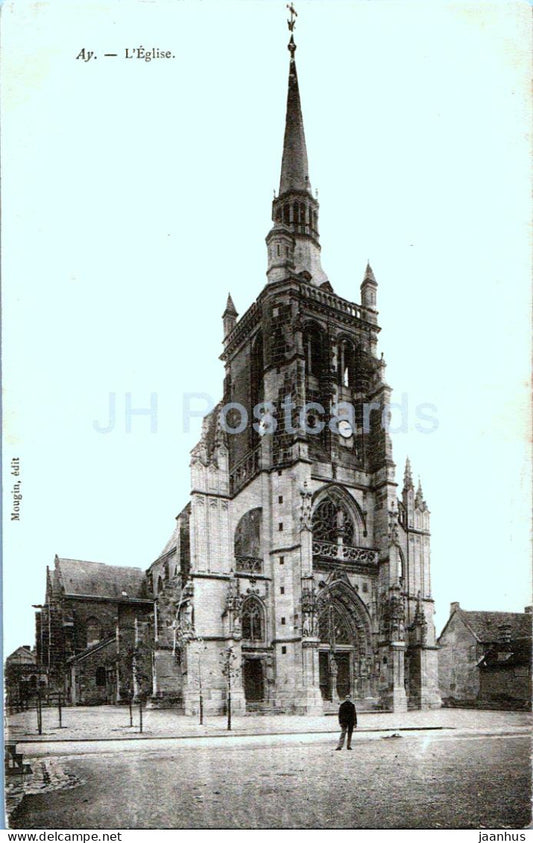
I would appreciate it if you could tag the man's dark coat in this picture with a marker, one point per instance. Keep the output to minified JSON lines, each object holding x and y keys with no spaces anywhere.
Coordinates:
{"x":347,"y":714}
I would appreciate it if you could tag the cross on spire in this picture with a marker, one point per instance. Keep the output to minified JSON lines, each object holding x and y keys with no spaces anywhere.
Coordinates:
{"x":294,"y":14}
{"x":291,"y":24}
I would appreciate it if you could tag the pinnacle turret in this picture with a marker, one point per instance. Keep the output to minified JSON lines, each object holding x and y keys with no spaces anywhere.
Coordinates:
{"x":230,"y":307}
{"x":369,"y":288}
{"x":419,"y":497}
{"x":369,"y":274}
{"x":229,"y":317}
{"x":408,"y":477}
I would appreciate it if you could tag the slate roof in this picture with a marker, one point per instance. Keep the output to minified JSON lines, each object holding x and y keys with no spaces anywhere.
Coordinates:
{"x":79,"y":578}
{"x":170,"y":545}
{"x":485,"y":625}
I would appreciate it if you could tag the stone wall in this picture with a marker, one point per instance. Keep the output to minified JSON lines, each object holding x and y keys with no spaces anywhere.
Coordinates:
{"x":458,"y":656}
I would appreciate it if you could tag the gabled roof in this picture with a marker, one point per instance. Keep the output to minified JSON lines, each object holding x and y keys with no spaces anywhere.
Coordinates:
{"x":79,"y":578}
{"x":485,"y":626}
{"x":22,"y":656}
{"x":171,"y":544}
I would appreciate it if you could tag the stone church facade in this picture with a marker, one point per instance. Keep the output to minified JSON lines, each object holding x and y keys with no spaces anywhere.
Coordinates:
{"x":295,"y":566}
{"x":295,"y":573}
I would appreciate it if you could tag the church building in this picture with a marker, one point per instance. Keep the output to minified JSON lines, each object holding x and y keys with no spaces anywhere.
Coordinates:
{"x":297,"y":572}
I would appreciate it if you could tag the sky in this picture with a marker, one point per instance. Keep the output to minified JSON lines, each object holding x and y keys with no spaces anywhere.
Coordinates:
{"x":137,"y":194}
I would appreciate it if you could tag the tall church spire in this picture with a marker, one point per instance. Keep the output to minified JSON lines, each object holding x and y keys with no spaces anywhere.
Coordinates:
{"x":293,"y":243}
{"x":294,"y":165}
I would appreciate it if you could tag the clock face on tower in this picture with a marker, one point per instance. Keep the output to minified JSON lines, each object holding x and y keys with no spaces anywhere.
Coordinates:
{"x":345,"y":429}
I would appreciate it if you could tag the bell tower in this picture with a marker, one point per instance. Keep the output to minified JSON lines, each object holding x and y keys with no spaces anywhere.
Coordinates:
{"x":302,"y":559}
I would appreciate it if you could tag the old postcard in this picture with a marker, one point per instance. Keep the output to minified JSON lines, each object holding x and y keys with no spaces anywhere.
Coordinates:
{"x":266,"y":483}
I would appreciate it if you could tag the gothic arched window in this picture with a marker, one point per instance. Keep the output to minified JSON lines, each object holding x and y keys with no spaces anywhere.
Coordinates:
{"x":331,"y":521}
{"x":312,"y":350}
{"x":252,"y":620}
{"x":94,"y":631}
{"x":333,"y":628}
{"x":247,"y":542}
{"x":346,"y":364}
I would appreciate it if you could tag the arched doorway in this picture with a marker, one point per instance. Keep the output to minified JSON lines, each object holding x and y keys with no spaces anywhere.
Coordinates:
{"x":338,"y":646}
{"x":253,"y":637}
{"x":345,"y":649}
{"x":253,"y":681}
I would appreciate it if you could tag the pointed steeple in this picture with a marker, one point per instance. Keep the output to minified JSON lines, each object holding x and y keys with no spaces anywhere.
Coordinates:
{"x":293,"y":242}
{"x":294,"y":164}
{"x":408,"y":477}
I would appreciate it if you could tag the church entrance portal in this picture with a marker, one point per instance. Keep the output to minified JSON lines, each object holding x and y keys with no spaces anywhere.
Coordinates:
{"x":343,"y":674}
{"x":335,"y":674}
{"x":337,"y":653}
{"x":253,"y":680}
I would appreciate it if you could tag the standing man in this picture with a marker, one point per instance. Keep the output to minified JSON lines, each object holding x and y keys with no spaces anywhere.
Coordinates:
{"x":347,"y":720}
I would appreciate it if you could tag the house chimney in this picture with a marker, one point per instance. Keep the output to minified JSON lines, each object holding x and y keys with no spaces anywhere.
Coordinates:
{"x":454,"y":607}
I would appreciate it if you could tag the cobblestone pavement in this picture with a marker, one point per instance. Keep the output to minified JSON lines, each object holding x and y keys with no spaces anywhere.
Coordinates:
{"x":112,"y":722}
{"x":431,"y":780}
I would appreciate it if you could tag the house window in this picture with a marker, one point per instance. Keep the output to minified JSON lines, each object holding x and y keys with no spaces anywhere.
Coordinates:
{"x":281,"y":560}
{"x":283,"y":649}
{"x":283,"y":621}
{"x":280,"y":499}
{"x":100,"y":677}
{"x":280,"y":526}
{"x":282,"y":589}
